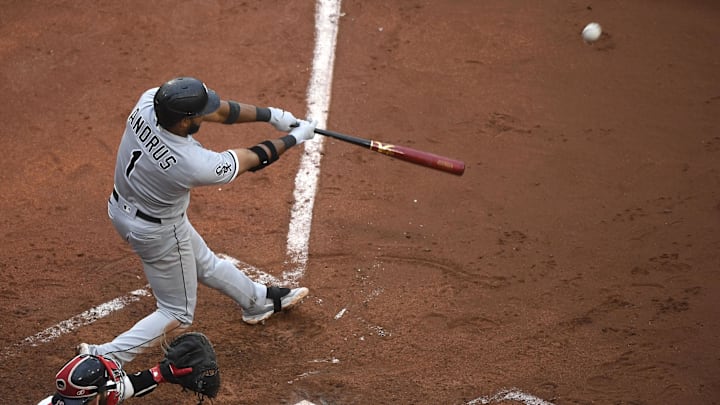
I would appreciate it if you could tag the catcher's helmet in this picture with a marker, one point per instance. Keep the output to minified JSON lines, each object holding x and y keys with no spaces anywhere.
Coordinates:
{"x":86,"y":376}
{"x":183,"y":97}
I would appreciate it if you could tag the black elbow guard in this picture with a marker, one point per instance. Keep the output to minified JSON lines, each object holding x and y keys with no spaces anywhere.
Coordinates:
{"x":265,"y":160}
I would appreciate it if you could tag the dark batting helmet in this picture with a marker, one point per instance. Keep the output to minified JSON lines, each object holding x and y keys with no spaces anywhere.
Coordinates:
{"x":183,"y":97}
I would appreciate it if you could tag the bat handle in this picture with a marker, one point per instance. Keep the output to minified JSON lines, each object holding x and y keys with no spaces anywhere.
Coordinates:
{"x":343,"y":137}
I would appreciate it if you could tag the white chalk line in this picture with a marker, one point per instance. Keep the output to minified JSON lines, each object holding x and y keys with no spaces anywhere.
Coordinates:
{"x":101,"y":311}
{"x":251,"y":271}
{"x":505,"y":395}
{"x":69,"y":325}
{"x":327,"y":16}
{"x":512,"y":394}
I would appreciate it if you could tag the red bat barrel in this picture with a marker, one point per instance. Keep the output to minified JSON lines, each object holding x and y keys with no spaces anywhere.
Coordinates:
{"x":405,"y":153}
{"x":419,"y":157}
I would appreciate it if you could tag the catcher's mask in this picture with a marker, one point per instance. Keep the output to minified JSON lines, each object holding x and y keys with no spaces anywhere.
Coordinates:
{"x":183,"y":97}
{"x":86,"y":377}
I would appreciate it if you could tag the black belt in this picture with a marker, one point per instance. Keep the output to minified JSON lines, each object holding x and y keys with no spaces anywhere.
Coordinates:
{"x":139,"y":213}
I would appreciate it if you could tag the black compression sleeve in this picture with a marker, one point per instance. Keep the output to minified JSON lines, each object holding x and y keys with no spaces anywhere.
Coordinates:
{"x":262,"y":114}
{"x":233,"y":114}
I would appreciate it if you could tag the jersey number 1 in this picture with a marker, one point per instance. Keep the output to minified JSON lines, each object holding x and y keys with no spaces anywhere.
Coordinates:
{"x":136,"y":154}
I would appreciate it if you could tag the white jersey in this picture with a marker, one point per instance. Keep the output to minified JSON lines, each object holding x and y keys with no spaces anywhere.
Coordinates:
{"x":156,"y":169}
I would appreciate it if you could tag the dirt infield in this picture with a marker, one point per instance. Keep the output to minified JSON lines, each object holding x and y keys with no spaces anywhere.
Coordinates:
{"x":574,"y":261}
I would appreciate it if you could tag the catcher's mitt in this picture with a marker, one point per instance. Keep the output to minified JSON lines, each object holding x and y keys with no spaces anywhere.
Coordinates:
{"x":190,"y":362}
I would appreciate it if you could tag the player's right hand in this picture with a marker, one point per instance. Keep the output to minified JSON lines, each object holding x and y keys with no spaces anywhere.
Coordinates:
{"x":305,"y":131}
{"x":282,"y":120}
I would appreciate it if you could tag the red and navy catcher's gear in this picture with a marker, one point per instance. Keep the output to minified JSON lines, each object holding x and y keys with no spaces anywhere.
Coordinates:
{"x":85,"y":377}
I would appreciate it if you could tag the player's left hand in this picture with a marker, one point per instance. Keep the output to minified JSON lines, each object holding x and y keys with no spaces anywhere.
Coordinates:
{"x":304,"y":131}
{"x":282,"y":120}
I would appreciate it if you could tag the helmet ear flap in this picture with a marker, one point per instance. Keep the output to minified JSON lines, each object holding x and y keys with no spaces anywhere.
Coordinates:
{"x":165,"y":117}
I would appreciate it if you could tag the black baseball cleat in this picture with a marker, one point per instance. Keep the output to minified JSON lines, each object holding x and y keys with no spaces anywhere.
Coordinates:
{"x":280,"y":299}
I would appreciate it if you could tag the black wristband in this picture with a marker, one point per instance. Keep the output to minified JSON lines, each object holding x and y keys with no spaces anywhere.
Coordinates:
{"x":262,"y":114}
{"x":142,"y":382}
{"x":289,"y":141}
{"x":233,"y":114}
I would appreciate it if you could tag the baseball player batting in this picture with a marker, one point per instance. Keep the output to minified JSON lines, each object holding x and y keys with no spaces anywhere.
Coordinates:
{"x":158,"y":162}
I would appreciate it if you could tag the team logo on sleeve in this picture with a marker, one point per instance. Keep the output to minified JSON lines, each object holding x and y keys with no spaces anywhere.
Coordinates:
{"x":223,"y":168}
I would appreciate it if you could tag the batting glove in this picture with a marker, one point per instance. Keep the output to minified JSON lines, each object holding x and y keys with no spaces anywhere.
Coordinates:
{"x":282,"y":120}
{"x":305,"y":131}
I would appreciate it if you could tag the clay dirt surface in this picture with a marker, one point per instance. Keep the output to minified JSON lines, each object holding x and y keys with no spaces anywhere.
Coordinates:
{"x":575,"y":261}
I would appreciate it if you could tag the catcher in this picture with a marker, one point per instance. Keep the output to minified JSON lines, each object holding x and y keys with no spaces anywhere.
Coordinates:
{"x":87,"y":379}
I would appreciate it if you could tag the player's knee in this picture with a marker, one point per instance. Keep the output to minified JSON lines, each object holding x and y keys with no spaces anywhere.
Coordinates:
{"x":178,"y":318}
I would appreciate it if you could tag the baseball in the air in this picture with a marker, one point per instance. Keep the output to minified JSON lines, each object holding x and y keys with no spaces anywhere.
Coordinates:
{"x":592,"y":32}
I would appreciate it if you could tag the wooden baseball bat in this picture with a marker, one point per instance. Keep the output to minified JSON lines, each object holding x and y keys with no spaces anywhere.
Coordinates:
{"x":405,"y":153}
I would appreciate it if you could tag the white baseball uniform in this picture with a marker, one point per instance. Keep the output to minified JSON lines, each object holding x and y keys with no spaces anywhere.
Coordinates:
{"x":154,"y":174}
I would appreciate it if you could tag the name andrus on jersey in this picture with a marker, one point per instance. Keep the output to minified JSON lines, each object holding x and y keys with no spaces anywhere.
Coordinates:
{"x":152,"y":144}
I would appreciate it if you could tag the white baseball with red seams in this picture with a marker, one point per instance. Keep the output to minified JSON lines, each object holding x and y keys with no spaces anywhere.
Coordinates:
{"x":592,"y":32}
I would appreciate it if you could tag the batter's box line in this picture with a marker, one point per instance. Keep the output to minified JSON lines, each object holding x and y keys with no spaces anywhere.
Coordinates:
{"x":251,"y":271}
{"x":77,"y":321}
{"x":512,"y":394}
{"x":101,"y":311}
